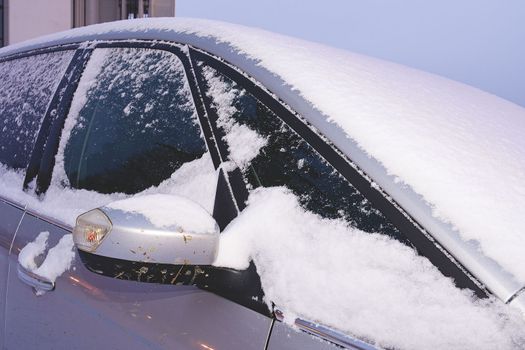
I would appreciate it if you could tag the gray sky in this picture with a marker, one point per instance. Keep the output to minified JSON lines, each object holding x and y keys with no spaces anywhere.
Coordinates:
{"x":478,"y":42}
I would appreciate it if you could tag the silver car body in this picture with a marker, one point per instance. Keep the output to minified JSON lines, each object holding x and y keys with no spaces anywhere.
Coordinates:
{"x":123,"y":314}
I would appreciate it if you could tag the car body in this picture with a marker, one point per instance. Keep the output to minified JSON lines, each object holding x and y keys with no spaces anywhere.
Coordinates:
{"x":111,"y":89}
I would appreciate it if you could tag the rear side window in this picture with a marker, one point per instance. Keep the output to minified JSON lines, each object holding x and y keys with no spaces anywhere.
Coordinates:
{"x":26,"y":88}
{"x":281,"y":157}
{"x":132,"y":122}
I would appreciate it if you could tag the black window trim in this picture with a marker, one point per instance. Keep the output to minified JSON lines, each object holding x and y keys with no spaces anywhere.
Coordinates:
{"x":41,"y":51}
{"x":422,"y":241}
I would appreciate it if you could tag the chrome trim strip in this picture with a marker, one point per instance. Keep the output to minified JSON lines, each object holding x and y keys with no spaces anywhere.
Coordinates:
{"x":518,"y":301}
{"x":16,"y":231}
{"x":49,"y":220}
{"x":34,"y":213}
{"x":10,"y":202}
{"x":330,"y":335}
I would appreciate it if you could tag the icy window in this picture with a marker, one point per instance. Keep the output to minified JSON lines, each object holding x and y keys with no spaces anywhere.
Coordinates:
{"x":132,"y":122}
{"x":27,"y":86}
{"x":285,"y":159}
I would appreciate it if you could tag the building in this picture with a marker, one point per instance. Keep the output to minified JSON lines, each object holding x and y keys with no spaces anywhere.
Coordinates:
{"x":25,"y":19}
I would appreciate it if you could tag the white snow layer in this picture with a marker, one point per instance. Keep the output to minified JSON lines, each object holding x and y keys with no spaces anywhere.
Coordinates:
{"x":243,"y":143}
{"x":195,"y":180}
{"x":31,"y":250}
{"x":364,"y":284}
{"x":57,"y":261}
{"x":462,"y":149}
{"x":170,"y":211}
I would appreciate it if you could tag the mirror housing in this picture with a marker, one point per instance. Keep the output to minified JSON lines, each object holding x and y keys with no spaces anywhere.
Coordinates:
{"x":161,"y":229}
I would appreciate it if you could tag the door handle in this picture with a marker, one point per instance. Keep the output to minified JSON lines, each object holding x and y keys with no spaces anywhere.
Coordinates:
{"x":40,"y":284}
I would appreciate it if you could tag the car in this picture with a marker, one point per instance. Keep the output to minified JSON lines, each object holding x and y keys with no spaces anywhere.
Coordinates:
{"x":191,"y":184}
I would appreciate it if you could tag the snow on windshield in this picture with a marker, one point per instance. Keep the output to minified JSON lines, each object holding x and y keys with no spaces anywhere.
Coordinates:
{"x":364,"y":284}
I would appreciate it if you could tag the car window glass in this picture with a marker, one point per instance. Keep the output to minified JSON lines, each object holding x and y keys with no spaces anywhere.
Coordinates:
{"x":132,"y":122}
{"x":27,"y":86}
{"x":285,"y":159}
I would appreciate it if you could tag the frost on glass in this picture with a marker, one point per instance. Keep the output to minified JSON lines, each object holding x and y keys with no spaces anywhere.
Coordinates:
{"x":27,"y":85}
{"x":243,"y":142}
{"x":132,"y":122}
{"x":285,"y":159}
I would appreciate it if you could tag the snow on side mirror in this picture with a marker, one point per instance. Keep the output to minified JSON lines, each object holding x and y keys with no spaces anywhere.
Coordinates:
{"x":163,"y":229}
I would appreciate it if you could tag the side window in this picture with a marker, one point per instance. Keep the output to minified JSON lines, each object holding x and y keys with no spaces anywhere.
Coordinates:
{"x":132,"y":122}
{"x":275,"y":155}
{"x":27,"y":86}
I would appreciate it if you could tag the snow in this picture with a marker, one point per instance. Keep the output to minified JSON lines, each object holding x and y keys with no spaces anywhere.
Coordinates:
{"x":196,"y":180}
{"x":57,"y":261}
{"x":169,"y":211}
{"x":364,"y":284}
{"x":244,"y":144}
{"x":31,"y":250}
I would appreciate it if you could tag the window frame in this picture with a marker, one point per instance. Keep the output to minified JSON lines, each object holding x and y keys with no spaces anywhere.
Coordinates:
{"x":420,"y":239}
{"x":174,"y":50}
{"x":237,"y":286}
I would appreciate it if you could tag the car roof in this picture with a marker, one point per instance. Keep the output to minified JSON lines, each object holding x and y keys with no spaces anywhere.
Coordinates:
{"x":452,"y":156}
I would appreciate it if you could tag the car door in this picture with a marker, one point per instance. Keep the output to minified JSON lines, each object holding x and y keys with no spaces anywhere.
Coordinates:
{"x":132,"y":127}
{"x":27,"y":88}
{"x":10,"y":216}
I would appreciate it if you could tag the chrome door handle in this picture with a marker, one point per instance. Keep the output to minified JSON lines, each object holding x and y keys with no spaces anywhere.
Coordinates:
{"x":40,"y":284}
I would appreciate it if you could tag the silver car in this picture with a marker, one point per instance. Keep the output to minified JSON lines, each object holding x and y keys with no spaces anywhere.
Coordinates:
{"x":107,"y":126}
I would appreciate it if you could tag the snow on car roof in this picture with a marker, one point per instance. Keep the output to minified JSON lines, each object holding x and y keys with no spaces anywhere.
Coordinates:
{"x":456,"y":149}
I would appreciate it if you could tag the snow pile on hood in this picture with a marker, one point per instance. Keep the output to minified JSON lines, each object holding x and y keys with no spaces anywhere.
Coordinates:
{"x":169,"y":211}
{"x":364,"y":284}
{"x":460,"y":148}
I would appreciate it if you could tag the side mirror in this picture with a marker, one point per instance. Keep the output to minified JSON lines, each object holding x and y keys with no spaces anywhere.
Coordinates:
{"x":162,"y":229}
